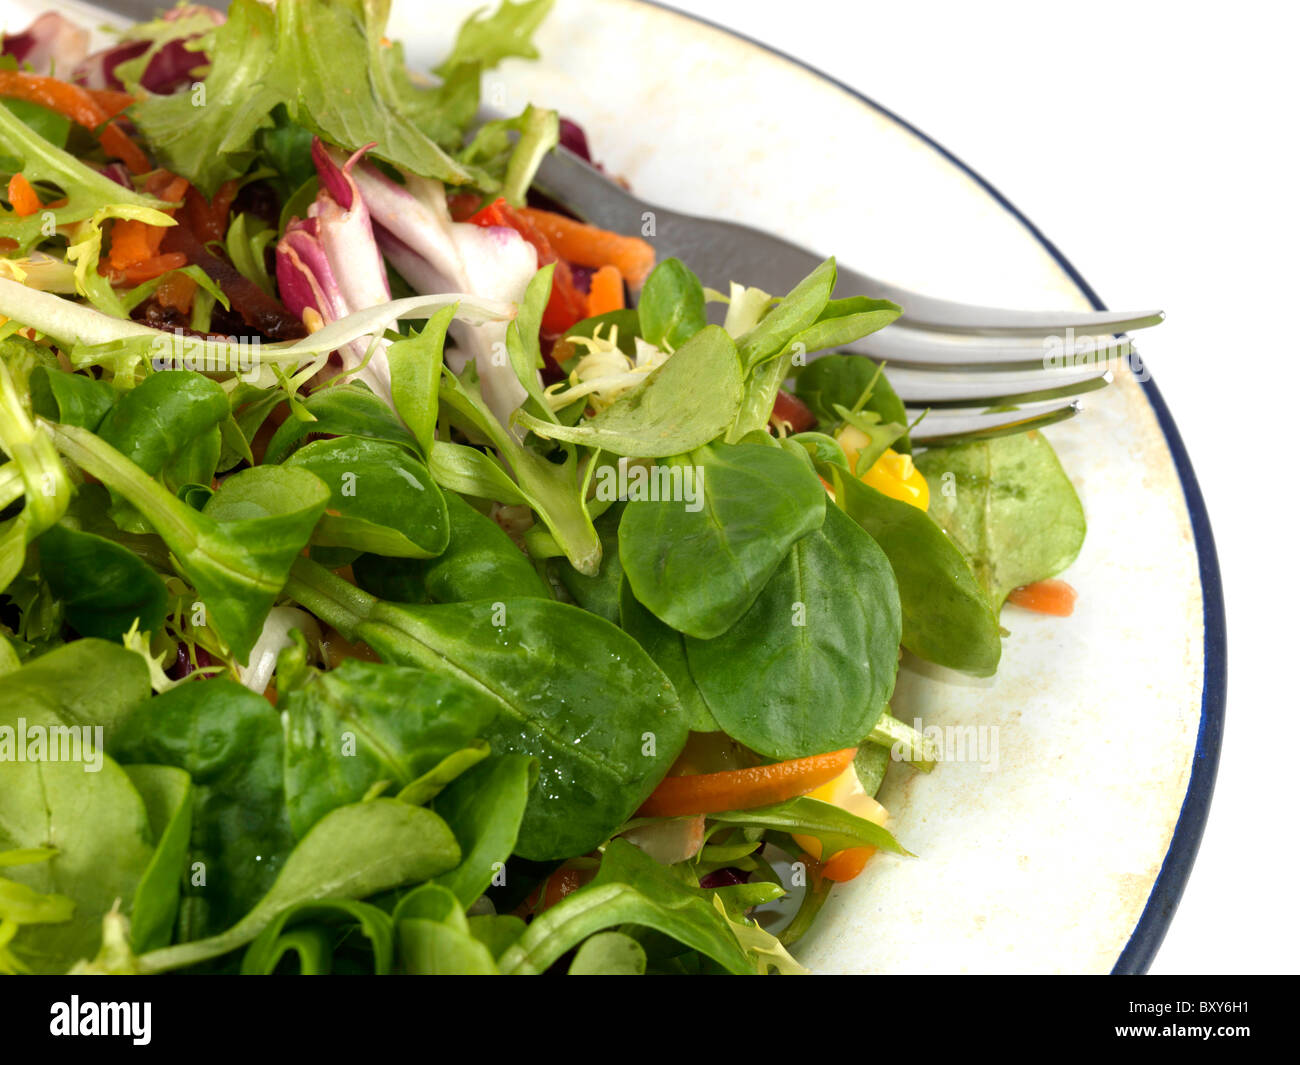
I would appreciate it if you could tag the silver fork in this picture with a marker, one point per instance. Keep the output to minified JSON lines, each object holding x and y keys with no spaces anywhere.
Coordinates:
{"x":978,"y":371}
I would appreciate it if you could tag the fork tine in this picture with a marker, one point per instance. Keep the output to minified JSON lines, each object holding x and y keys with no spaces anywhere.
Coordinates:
{"x":900,"y":345}
{"x":923,"y":388}
{"x":944,"y":428}
{"x":948,"y":316}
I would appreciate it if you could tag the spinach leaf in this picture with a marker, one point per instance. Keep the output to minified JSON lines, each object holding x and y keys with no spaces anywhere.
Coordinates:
{"x":669,"y":412}
{"x":104,"y":587}
{"x":630,"y":888}
{"x":415,"y":366}
{"x":946,"y":614}
{"x":572,"y":691}
{"x":169,"y":803}
{"x":597,"y":593}
{"x":793,"y":314}
{"x":353,"y":852}
{"x":811,"y":665}
{"x":235,"y":553}
{"x":837,"y":829}
{"x":229,"y":740}
{"x":434,"y":936}
{"x":313,"y":931}
{"x":381,"y":498}
{"x":159,"y":424}
{"x":841,"y":381}
{"x":667,"y":649}
{"x":670,"y":308}
{"x":609,"y":954}
{"x":341,"y":410}
{"x":484,"y":808}
{"x":71,"y":398}
{"x":1009,"y":505}
{"x":44,"y":803}
{"x":363,"y":723}
{"x":871,"y":763}
{"x":100,"y":858}
{"x":699,"y":566}
{"x":480,"y":562}
{"x":844,"y":321}
{"x":472,"y":472}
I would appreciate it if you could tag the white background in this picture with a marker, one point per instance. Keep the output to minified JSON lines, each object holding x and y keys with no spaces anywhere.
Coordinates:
{"x":1156,"y":145}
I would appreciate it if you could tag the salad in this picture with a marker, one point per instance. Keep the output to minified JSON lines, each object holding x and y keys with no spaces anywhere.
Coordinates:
{"x":398,"y":575}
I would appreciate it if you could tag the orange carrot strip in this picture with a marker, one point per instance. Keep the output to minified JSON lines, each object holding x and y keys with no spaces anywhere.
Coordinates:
{"x":177,"y":292}
{"x":112,"y":101}
{"x":606,"y":291}
{"x":22,"y":197}
{"x":845,"y":865}
{"x":133,"y":242}
{"x":77,"y":104}
{"x":148,"y":269}
{"x":743,"y":789}
{"x":1046,"y":597}
{"x":593,"y":247}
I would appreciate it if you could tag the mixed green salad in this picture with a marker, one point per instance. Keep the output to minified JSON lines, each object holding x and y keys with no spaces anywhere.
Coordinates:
{"x":398,"y":575}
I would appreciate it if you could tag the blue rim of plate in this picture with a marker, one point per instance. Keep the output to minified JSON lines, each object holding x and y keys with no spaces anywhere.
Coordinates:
{"x":1158,"y":913}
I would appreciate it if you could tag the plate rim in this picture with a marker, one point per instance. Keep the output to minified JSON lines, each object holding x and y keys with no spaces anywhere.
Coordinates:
{"x":1176,"y":867}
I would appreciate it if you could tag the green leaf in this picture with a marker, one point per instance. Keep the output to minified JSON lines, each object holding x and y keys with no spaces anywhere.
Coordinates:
{"x":1009,"y":506}
{"x":842,"y":381}
{"x":506,"y":33}
{"x":479,"y":562}
{"x":793,"y":314}
{"x":598,"y":593}
{"x":342,"y":410}
{"x":630,"y":888}
{"x":666,"y":647}
{"x":43,"y":803}
{"x":670,"y":308}
{"x":472,"y":472}
{"x":237,"y":552}
{"x":169,"y":802}
{"x":313,"y":931}
{"x":572,"y":691}
{"x":837,"y":829}
{"x":71,"y":398}
{"x":86,"y":190}
{"x":946,"y":614}
{"x":484,"y":809}
{"x":669,"y":413}
{"x":365,"y":722}
{"x":45,"y":123}
{"x":699,"y":564}
{"x":609,"y":954}
{"x":416,"y":367}
{"x":353,"y":852}
{"x":104,"y":587}
{"x":823,"y":633}
{"x":381,"y":498}
{"x":229,"y":740}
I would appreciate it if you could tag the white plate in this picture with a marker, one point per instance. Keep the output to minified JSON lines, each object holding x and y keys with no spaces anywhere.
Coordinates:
{"x":1051,"y":860}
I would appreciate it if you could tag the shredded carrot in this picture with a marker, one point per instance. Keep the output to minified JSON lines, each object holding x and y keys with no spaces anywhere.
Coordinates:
{"x":606,"y":291}
{"x":743,"y":789}
{"x":207,"y":220}
{"x":177,"y":292}
{"x":112,"y":101}
{"x":148,"y":269}
{"x":1046,"y":597}
{"x":133,"y":242}
{"x":79,"y":105}
{"x":22,"y":197}
{"x":593,"y":247}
